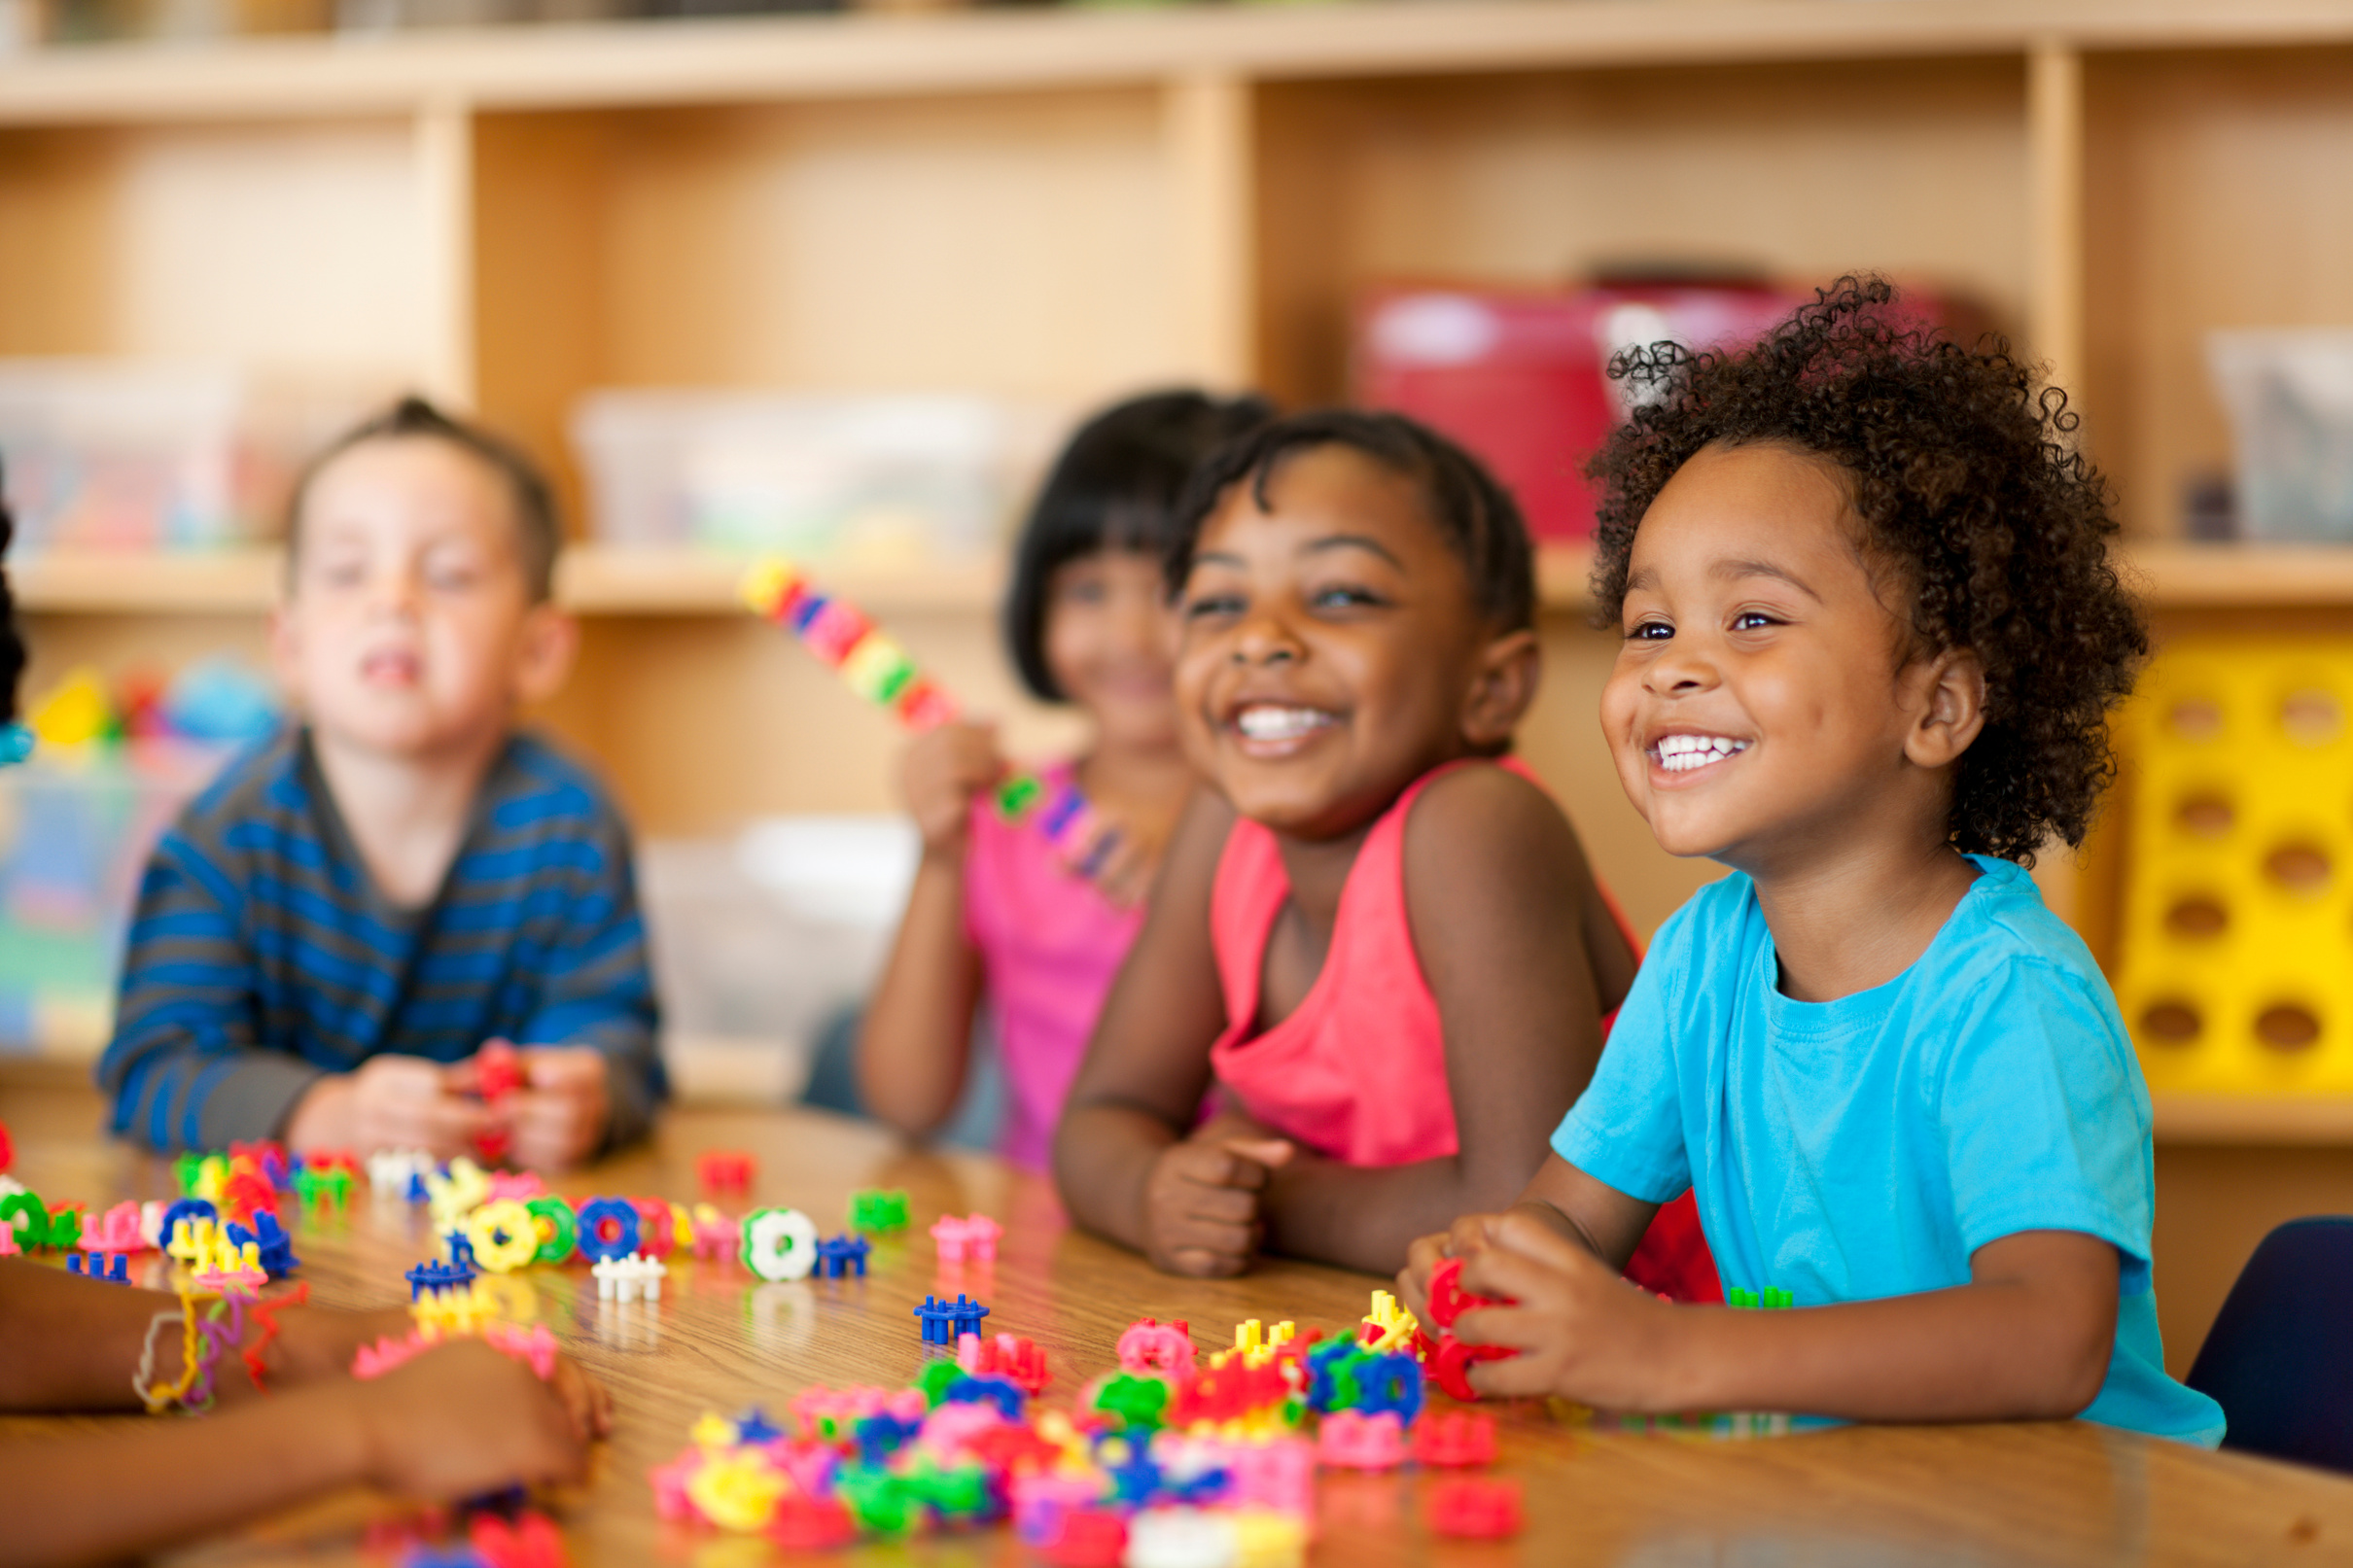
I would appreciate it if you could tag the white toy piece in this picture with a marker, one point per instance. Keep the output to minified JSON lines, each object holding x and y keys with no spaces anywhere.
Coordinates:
{"x":779,"y":1243}
{"x":9,"y":1185}
{"x":391,"y":1170}
{"x":151,"y":1221}
{"x":1178,"y":1538}
{"x":624,"y":1279}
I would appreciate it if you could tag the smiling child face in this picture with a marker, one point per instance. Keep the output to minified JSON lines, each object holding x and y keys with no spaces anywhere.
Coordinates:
{"x":1759,"y":710}
{"x":409,"y":628}
{"x":1329,"y":641}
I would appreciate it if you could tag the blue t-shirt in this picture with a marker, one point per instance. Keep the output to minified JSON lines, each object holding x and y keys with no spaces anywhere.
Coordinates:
{"x":1862,"y":1148}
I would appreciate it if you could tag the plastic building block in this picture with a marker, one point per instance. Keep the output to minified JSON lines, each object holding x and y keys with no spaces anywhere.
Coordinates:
{"x":1255,"y":1342}
{"x":725,"y":1171}
{"x":878,"y":1212}
{"x":246,"y":1190}
{"x":7,"y":1149}
{"x":804,"y":1523}
{"x":1009,"y":1356}
{"x":844,"y":1254}
{"x":625,"y":1279}
{"x":118,"y":1230}
{"x":1389,"y":1326}
{"x":557,"y":1231}
{"x":715,"y":1236}
{"x":391,"y":1170}
{"x":504,"y":1234}
{"x":437,"y":1277}
{"x":324,"y":1188}
{"x":271,"y":1245}
{"x":1476,"y":1509}
{"x":1139,"y":1402}
{"x":1357,"y":1440}
{"x":1454,"y":1438}
{"x":1451,"y":1364}
{"x":971,"y":1239}
{"x":944,"y":1323}
{"x":179,"y":1215}
{"x":1772,"y":1300}
{"x":1087,"y":1538}
{"x":28,"y":1217}
{"x":608,"y":1228}
{"x":657,"y":1232}
{"x":1392,"y":1381}
{"x":232,"y":1267}
{"x":1178,"y":1538}
{"x":498,"y":1071}
{"x":1150,"y":1346}
{"x":530,"y":1540}
{"x":455,"y":1192}
{"x":64,"y":1225}
{"x":460,"y":1247}
{"x":114,"y":1267}
{"x":1448,"y":1299}
{"x":779,"y":1243}
{"x":191,"y":1239}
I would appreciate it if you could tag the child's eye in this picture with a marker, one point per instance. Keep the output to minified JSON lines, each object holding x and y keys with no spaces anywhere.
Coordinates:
{"x":1753,"y":620}
{"x":1649,"y":631}
{"x":1203,"y":606}
{"x":451,"y":575}
{"x":1344,"y":595}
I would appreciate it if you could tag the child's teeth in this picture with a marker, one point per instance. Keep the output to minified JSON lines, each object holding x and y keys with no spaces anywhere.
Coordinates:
{"x":1680,"y":753}
{"x":1279,"y":723}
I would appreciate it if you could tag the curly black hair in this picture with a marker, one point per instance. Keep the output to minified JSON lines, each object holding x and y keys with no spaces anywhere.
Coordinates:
{"x":1967,"y":479}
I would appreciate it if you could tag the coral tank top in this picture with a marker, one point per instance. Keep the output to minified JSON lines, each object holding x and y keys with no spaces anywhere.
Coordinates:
{"x":1358,"y":1071}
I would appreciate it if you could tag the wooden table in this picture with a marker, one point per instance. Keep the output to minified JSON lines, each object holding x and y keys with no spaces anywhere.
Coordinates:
{"x":719,"y":1340}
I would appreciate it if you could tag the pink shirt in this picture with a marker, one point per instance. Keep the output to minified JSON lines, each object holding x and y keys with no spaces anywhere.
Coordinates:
{"x":1050,"y":946}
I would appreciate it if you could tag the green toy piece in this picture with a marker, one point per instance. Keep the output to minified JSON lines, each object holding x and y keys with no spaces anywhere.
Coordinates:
{"x":563,"y":1228}
{"x":878,"y":1500}
{"x":1774,"y":1298}
{"x":24,"y":1213}
{"x":958,"y":1493}
{"x":64,"y":1229}
{"x":329,"y":1188}
{"x":184,"y":1170}
{"x":936,"y":1380}
{"x":1138,"y":1402}
{"x":879,"y":1212}
{"x":1018,"y":794}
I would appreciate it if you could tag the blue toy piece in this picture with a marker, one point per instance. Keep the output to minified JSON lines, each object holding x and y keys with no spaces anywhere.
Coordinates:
{"x":417,"y":1192}
{"x":271,"y":1245}
{"x":437,"y":1276}
{"x":1390,"y":1381}
{"x":2277,"y":1359}
{"x":753,"y":1426}
{"x":943,"y":1321}
{"x":843,"y":1255}
{"x":994,"y":1391}
{"x":460,"y":1247}
{"x":187,"y":1209}
{"x":118,"y":1271}
{"x":881,"y":1435}
{"x":608,"y":1229}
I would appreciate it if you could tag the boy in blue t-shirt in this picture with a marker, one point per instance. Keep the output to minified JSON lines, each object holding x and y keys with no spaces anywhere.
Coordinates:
{"x":1871,"y":639}
{"x":333,"y":930}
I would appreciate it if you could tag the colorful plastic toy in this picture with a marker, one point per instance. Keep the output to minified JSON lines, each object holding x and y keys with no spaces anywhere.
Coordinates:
{"x":841,"y":1255}
{"x":1448,"y":1299}
{"x":118,"y":1230}
{"x":1772,"y":1300}
{"x":7,"y":1149}
{"x":1150,"y":1346}
{"x":725,"y":1171}
{"x":113,"y":1267}
{"x":779,"y":1243}
{"x":437,"y":1277}
{"x":944,"y":1323}
{"x":272,"y":1246}
{"x":504,"y":1234}
{"x":27,"y":1217}
{"x":557,"y":1229}
{"x":607,"y":1227}
{"x":657,"y":1229}
{"x":1475,"y":1508}
{"x":455,"y":1192}
{"x":180,"y":1213}
{"x":1450,"y":1362}
{"x":1455,"y":1439}
{"x":878,"y":1213}
{"x":1355,"y":1439}
{"x":624,"y":1279}
{"x":971,"y":1239}
{"x":1009,"y":1356}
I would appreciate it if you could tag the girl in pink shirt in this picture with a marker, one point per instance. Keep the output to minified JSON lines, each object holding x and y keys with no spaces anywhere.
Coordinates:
{"x":1377,"y":936}
{"x":996,"y":913}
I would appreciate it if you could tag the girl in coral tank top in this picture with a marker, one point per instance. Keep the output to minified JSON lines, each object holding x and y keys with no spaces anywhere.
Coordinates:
{"x":1376,"y":937}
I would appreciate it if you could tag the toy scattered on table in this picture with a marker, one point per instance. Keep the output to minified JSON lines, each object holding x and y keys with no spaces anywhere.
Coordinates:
{"x":455,"y":1192}
{"x":1450,"y":1359}
{"x":625,"y":1279}
{"x":841,"y":1255}
{"x":657,"y":1228}
{"x":606,"y":1228}
{"x":878,"y":1213}
{"x":1009,"y":1356}
{"x":557,"y":1228}
{"x":1455,"y":1439}
{"x":1476,"y":1509}
{"x":113,"y":1267}
{"x":1148,"y":1346}
{"x":879,"y":669}
{"x":725,"y":1171}
{"x":504,"y":1234}
{"x":28,"y":1225}
{"x":779,"y":1243}
{"x":7,"y":1150}
{"x":121,"y":1229}
{"x":945,"y":1322}
{"x":437,"y":1277}
{"x":272,"y":1246}
{"x":971,"y":1238}
{"x":392,"y":1173}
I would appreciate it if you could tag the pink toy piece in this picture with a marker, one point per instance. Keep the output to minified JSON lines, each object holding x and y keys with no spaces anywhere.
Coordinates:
{"x":521,"y":1185}
{"x":534,"y":1345}
{"x":670,"y":1503}
{"x":7,"y":1242}
{"x":1355,"y":1441}
{"x":1476,"y":1509}
{"x":1150,"y":1346}
{"x":1280,"y":1475}
{"x":530,"y":1541}
{"x":118,"y":1230}
{"x":1456,"y":1438}
{"x":377,"y":1359}
{"x":953,"y":1428}
{"x":715,"y":1236}
{"x":810,"y":1464}
{"x":972,"y":1238}
{"x":657,"y":1230}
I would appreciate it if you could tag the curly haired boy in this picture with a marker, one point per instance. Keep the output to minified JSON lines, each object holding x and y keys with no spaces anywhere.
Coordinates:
{"x":1872,"y":635}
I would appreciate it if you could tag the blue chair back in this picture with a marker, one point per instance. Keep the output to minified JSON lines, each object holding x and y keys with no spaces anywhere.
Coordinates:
{"x":2279,"y":1358}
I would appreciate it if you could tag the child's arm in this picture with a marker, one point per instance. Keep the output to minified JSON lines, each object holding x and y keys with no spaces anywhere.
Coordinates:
{"x":458,"y":1421}
{"x":918,"y":1030}
{"x":1502,"y":908}
{"x":2029,"y":1335}
{"x":1123,"y":1159}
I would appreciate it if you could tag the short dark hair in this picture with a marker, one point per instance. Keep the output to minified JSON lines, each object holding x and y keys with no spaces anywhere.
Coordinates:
{"x":538,"y":530}
{"x":1476,"y":516}
{"x":1114,"y":487}
{"x":1965,"y":474}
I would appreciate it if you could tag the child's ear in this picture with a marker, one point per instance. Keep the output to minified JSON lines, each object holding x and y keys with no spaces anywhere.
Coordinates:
{"x":1502,"y":685}
{"x":1954,"y":712}
{"x":550,"y":642}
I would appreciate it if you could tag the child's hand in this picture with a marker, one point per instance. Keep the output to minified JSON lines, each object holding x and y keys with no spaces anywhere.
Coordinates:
{"x":1119,"y":858}
{"x":559,"y":1116}
{"x":388,"y":1103}
{"x":1581,"y":1331}
{"x":316,"y":1344}
{"x":463,"y":1419}
{"x":948,"y":768}
{"x":1200,"y":1202}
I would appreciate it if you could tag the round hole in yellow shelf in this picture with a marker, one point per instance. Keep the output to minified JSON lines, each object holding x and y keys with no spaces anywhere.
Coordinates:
{"x":2207,"y":815}
{"x":2197,"y":918}
{"x":2288,"y":1026}
{"x":2171,"y":1022}
{"x":2300,"y":868}
{"x":2312,"y":716}
{"x":2196,"y":718}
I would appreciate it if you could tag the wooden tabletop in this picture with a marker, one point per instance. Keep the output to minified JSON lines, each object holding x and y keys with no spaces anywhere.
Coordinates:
{"x":719,"y":1340}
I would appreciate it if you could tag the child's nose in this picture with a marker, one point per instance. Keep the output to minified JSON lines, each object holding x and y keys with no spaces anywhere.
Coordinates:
{"x":1681,"y":671}
{"x":1265,"y":639}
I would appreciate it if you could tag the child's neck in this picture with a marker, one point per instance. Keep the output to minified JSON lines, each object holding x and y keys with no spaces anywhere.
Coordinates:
{"x":1859,"y":916}
{"x":1148,"y":782}
{"x":407,"y":813}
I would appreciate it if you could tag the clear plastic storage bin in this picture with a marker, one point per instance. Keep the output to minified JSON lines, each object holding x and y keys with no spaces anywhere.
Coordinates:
{"x":2289,"y":393}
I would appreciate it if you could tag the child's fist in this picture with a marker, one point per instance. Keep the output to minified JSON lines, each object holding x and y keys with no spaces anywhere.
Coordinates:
{"x":388,"y":1103}
{"x":559,"y":1116}
{"x":1580,"y":1330}
{"x":1201,"y":1204}
{"x":948,"y":768}
{"x":463,"y":1419}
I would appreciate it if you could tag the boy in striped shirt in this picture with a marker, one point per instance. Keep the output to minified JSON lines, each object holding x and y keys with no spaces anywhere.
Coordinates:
{"x":334,"y":929}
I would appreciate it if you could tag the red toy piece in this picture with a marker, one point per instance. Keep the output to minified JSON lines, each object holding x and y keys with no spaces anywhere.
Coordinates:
{"x":7,"y":1150}
{"x":725,"y":1171}
{"x":657,"y":1230}
{"x":498,"y":1073}
{"x":1454,"y":1438}
{"x":1451,"y":1366}
{"x":811,"y":1523}
{"x":1017,"y":1360}
{"x":1476,"y":1509}
{"x":1090,"y":1538}
{"x":532,"y":1541}
{"x":244,"y":1192}
{"x":1354,"y":1441}
{"x":1448,"y":1299}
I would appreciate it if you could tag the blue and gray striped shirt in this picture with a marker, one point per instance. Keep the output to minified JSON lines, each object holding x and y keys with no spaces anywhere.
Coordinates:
{"x":263,"y":957}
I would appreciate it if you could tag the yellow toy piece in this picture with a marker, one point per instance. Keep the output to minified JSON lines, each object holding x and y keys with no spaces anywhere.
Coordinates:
{"x":212,"y":1174}
{"x":2235,"y":971}
{"x":454,"y":1196}
{"x":737,"y":1491}
{"x":1393,"y":1326}
{"x":76,"y":712}
{"x":193,"y":1240}
{"x":766,"y":585}
{"x":1256,"y":1345}
{"x":504,"y":1235}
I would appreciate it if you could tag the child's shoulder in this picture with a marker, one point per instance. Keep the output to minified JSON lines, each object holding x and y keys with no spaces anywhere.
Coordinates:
{"x":1466,"y":807}
{"x":538,"y":786}
{"x":2003,"y":928}
{"x":261,"y":783}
